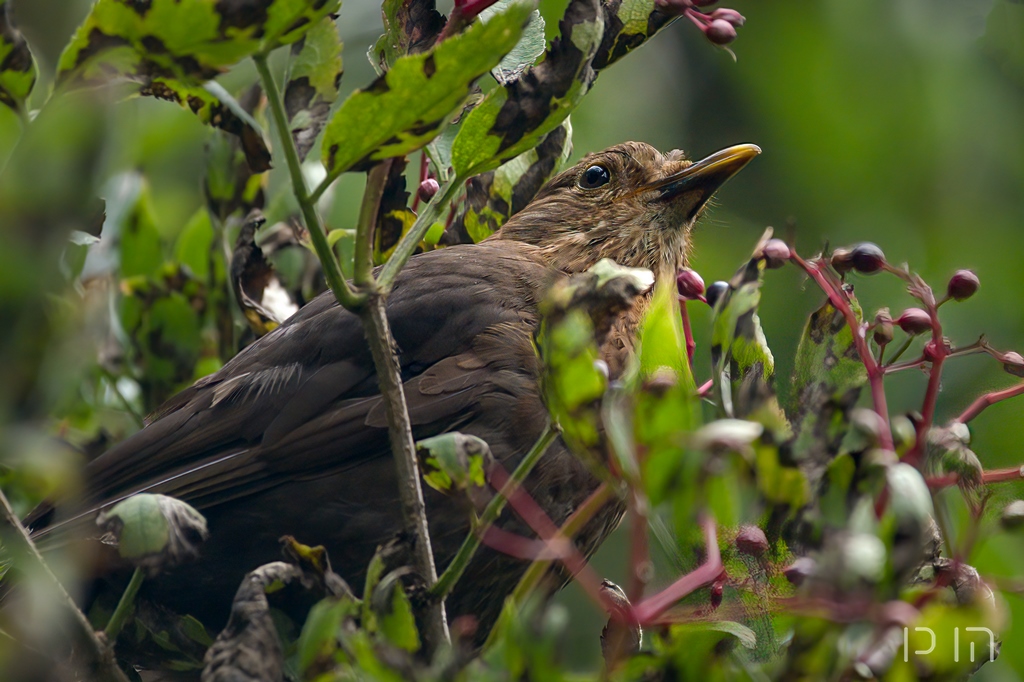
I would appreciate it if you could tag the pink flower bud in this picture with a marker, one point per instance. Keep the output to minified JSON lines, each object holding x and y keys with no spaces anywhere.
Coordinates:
{"x":914,"y":321}
{"x":1013,"y":363}
{"x":720,"y":32}
{"x":963,"y":284}
{"x":729,"y":15}
{"x":776,"y":253}
{"x":689,"y":284}
{"x":800,"y":570}
{"x":751,"y":541}
{"x":428,"y":188}
{"x":717,"y":589}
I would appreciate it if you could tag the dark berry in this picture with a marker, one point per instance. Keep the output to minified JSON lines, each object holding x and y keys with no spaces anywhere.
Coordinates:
{"x":715,"y":292}
{"x":867,"y":258}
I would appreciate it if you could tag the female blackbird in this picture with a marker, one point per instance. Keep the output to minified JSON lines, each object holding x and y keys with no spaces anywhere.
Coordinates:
{"x":289,"y":437}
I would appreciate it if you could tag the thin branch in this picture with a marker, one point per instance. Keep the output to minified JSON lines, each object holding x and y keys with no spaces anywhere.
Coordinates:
{"x":559,"y":544}
{"x":458,"y":565}
{"x":993,"y":476}
{"x":332,"y":271}
{"x":573,"y":525}
{"x":407,"y":245}
{"x":705,"y":574}
{"x":403,"y":449}
{"x":362,"y":269}
{"x":979,"y":405}
{"x":691,"y":345}
{"x":21,"y":542}
{"x":124,"y":606}
{"x":371,"y":310}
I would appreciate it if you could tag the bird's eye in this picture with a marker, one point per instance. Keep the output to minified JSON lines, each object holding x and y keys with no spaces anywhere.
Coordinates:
{"x":594,"y":177}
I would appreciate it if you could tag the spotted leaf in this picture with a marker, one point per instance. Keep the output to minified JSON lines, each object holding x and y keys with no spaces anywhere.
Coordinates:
{"x":313,"y":78}
{"x":17,"y":66}
{"x":407,"y":107}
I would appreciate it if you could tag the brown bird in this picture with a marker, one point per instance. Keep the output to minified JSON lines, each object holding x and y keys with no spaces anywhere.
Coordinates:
{"x":290,"y":436}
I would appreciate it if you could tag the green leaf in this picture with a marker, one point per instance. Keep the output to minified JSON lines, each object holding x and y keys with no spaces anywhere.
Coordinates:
{"x":131,"y":219}
{"x":666,"y":407}
{"x":313,"y":78}
{"x":410,"y":26}
{"x":188,"y":40}
{"x":231,"y":184}
{"x":628,"y":24}
{"x":409,"y":105}
{"x":398,"y":625}
{"x":171,"y":47}
{"x":827,"y":379}
{"x":394,"y":218}
{"x":453,"y":461}
{"x":495,"y":196}
{"x":17,"y":65}
{"x":744,"y":368}
{"x":319,"y":638}
{"x":195,"y":244}
{"x":214,"y":106}
{"x":524,"y":55}
{"x":513,"y":118}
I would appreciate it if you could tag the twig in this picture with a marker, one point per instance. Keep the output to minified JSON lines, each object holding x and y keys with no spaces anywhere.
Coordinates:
{"x":705,"y":574}
{"x":124,"y":606}
{"x":490,"y":514}
{"x":99,"y":651}
{"x":403,"y":449}
{"x":371,"y":309}
{"x":307,"y":203}
{"x":993,"y":476}
{"x":541,"y":524}
{"x":362,"y":268}
{"x":979,"y":405}
{"x":573,"y":525}
{"x":691,"y":345}
{"x":639,"y":552}
{"x":407,"y":245}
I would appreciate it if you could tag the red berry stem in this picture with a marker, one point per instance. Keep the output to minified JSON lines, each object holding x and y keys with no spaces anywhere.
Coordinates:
{"x":980,"y":403}
{"x":992,"y":476}
{"x":705,"y":574}
{"x":875,"y":372}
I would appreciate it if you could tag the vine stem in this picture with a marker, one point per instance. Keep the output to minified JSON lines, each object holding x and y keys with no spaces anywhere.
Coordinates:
{"x":352,"y":300}
{"x":458,"y":565}
{"x":874,"y":370}
{"x":362,"y":267}
{"x":407,"y":245}
{"x":705,"y":574}
{"x":124,"y":606}
{"x":99,"y":650}
{"x":979,"y":405}
{"x":993,"y":476}
{"x":369,"y":304}
{"x":538,"y":569}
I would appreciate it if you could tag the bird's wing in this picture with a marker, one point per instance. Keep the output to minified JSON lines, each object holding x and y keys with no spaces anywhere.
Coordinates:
{"x":302,"y":401}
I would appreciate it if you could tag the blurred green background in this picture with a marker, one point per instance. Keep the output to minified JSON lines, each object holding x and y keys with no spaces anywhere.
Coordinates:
{"x":898,"y":122}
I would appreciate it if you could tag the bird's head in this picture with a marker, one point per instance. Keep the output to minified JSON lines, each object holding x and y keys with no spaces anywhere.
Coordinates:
{"x":629,"y":203}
